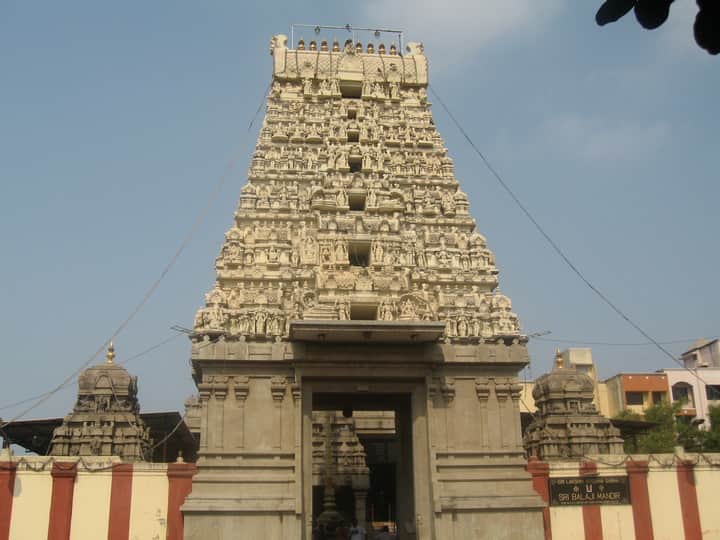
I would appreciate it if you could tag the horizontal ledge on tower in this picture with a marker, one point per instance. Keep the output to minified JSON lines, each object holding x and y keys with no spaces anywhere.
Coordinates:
{"x":366,"y":331}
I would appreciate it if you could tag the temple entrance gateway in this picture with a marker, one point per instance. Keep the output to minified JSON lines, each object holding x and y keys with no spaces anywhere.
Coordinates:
{"x":354,"y":355}
{"x":387,"y":496}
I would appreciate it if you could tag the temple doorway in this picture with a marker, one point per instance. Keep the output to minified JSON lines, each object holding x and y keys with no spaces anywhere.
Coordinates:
{"x":363,"y":458}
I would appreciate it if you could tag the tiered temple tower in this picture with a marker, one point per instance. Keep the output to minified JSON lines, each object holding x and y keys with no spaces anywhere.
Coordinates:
{"x":353,"y":277}
{"x":567,"y":424}
{"x":106,"y":418}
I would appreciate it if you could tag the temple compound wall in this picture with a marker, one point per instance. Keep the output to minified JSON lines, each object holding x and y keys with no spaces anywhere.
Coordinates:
{"x":670,"y":498}
{"x":91,"y":498}
{"x":664,"y":497}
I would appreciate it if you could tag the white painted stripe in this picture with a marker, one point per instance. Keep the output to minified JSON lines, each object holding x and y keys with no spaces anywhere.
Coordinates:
{"x":31,"y":506}
{"x":91,"y":505}
{"x":148,"y":511}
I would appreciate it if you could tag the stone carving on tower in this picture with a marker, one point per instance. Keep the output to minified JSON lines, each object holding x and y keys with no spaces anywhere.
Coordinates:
{"x":353,"y":272}
{"x":352,"y":205}
{"x":567,"y":424}
{"x":106,"y":418}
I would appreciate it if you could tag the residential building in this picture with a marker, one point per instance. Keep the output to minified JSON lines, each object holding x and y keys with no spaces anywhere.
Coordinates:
{"x":635,"y":392}
{"x":696,"y":389}
{"x":704,"y":353}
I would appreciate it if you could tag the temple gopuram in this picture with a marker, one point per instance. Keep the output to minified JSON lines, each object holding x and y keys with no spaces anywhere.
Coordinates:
{"x":352,"y":286}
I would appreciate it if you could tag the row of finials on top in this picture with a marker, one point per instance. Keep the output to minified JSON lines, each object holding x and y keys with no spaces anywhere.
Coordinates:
{"x":348,"y":44}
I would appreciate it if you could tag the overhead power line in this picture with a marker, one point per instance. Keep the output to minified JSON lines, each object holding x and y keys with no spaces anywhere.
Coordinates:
{"x":257,"y":111}
{"x":613,"y":344}
{"x":148,"y":294}
{"x":122,"y":363}
{"x":186,"y":240}
{"x":554,"y":244}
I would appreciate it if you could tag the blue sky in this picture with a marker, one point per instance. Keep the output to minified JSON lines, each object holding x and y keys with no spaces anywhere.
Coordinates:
{"x":117,"y":119}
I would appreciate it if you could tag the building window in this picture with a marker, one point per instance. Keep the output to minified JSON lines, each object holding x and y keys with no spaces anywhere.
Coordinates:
{"x":658,"y":397}
{"x":683,"y":392}
{"x":633,"y":398}
{"x":712,"y":391}
{"x":353,"y":136}
{"x":355,"y":166}
{"x":359,"y":253}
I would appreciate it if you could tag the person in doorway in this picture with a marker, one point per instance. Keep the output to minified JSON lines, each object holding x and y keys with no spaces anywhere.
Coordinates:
{"x":384,"y":534}
{"x":357,"y":532}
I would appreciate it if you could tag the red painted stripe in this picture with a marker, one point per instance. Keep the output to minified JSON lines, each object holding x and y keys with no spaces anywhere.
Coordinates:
{"x":592,"y":522}
{"x":640,"y":499}
{"x":180,"y":485}
{"x":63,"y":485}
{"x":688,"y":501}
{"x":120,"y":500}
{"x":540,"y":472}
{"x":7,"y":488}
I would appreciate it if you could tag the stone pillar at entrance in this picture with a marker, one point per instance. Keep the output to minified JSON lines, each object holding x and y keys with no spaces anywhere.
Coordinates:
{"x":361,"y":506}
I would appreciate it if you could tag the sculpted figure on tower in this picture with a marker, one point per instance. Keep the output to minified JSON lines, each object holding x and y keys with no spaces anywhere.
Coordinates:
{"x":350,"y":183}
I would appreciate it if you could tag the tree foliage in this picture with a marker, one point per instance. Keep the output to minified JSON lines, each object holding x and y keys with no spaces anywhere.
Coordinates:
{"x":653,"y":13}
{"x":712,"y":436}
{"x":670,"y":429}
{"x":662,"y":437}
{"x":627,"y":414}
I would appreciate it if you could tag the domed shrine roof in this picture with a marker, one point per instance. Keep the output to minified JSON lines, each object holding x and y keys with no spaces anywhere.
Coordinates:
{"x":105,"y":420}
{"x":567,"y":423}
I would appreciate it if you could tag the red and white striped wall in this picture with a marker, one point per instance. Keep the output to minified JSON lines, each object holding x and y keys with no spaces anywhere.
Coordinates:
{"x":92,"y":499}
{"x":671,"y":498}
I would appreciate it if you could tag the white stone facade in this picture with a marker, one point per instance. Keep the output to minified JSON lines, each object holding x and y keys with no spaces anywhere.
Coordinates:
{"x":354,"y":277}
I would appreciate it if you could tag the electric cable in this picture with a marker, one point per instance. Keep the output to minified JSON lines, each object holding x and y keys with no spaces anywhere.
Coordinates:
{"x":148,"y":294}
{"x":612,"y":344}
{"x":267,"y":92}
{"x":554,"y":244}
{"x":124,"y":362}
{"x":146,"y":297}
{"x":169,"y":434}
{"x":138,"y":355}
{"x":203,"y":214}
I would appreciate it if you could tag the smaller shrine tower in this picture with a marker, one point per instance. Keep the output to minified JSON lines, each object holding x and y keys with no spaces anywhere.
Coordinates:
{"x":106,"y":418}
{"x":567,"y":424}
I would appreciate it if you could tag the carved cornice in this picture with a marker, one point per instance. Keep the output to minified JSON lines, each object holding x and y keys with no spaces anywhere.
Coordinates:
{"x":241,"y":387}
{"x":296,"y":390}
{"x":204,"y":391}
{"x":443,"y":387}
{"x":502,"y":390}
{"x":278,"y":385}
{"x":482,"y":389}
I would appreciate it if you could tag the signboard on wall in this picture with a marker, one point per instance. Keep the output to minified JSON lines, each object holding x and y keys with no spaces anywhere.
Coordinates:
{"x":578,"y":491}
